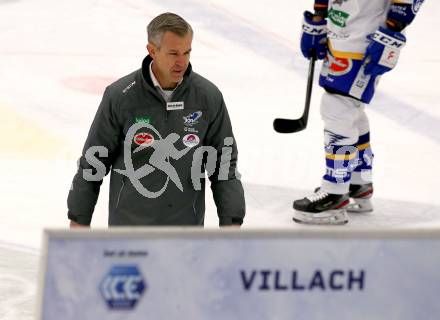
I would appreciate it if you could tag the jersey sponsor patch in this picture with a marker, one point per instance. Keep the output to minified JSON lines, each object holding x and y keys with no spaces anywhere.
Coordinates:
{"x":389,"y":58}
{"x":192,"y":118}
{"x":143,"y":139}
{"x":339,"y":66}
{"x":191,"y":140}
{"x":338,"y":17}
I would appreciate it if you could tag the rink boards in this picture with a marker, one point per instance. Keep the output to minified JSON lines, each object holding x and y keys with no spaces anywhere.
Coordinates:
{"x":329,"y":273}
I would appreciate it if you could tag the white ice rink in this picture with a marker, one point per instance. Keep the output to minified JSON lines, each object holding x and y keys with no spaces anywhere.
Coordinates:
{"x":56,"y":57}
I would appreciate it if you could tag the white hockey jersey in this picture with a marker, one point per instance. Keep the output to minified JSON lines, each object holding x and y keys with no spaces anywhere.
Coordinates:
{"x":350,"y":21}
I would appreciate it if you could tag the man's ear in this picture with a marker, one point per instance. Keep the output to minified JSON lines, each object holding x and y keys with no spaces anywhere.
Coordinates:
{"x":151,"y":50}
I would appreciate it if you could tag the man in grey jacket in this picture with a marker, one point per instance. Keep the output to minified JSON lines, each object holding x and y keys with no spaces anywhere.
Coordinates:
{"x":158,"y":130}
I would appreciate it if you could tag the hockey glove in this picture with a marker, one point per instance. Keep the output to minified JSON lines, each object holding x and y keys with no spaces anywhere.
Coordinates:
{"x":313,"y":37}
{"x":383,"y":51}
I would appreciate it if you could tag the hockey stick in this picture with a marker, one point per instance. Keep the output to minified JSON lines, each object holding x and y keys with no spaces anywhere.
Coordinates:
{"x":295,"y":125}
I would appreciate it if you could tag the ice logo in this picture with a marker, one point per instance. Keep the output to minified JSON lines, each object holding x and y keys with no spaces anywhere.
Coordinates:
{"x":122,"y":287}
{"x":192,"y":118}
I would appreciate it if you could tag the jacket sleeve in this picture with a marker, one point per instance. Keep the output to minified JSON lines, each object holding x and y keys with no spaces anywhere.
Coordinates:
{"x":95,"y":162}
{"x":225,"y":181}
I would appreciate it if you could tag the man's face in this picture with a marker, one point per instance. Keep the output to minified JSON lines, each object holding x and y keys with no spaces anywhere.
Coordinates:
{"x":171,"y":58}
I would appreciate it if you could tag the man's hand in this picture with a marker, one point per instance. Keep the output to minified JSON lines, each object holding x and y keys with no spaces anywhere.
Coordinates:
{"x":383,"y":52}
{"x":314,"y":36}
{"x":73,"y":225}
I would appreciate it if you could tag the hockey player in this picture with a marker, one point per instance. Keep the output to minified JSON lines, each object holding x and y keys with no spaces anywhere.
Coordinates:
{"x":359,"y":40}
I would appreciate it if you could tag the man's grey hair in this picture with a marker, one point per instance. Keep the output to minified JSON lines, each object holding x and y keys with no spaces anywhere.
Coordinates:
{"x":167,"y":22}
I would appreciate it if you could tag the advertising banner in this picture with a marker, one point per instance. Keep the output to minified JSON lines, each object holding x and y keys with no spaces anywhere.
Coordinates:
{"x":208,"y":275}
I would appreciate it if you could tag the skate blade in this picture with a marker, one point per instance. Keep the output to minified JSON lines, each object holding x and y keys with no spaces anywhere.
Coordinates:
{"x":359,"y":205}
{"x":330,"y":217}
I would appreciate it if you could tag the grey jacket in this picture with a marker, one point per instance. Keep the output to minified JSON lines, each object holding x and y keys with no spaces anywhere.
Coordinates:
{"x":203,"y":121}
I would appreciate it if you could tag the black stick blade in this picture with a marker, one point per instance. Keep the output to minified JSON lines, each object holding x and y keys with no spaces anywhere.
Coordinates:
{"x":289,"y":125}
{"x":295,"y":125}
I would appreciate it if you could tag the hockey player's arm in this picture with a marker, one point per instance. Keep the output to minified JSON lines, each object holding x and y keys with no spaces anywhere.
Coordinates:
{"x":402,"y":13}
{"x":321,"y":8}
{"x":94,"y":163}
{"x":383,"y":52}
{"x":225,"y":181}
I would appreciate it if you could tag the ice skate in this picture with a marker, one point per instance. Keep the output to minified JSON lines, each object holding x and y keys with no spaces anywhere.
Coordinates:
{"x":360,"y":196}
{"x":321,"y":208}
